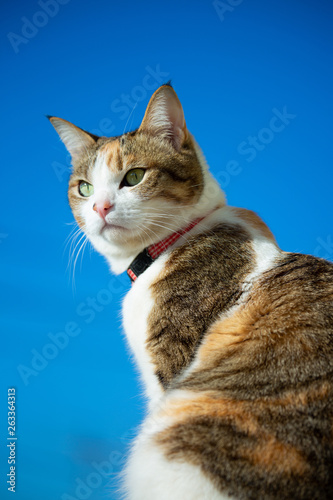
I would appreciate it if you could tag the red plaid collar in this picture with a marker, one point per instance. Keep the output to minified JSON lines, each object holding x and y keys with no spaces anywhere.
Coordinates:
{"x":149,"y":254}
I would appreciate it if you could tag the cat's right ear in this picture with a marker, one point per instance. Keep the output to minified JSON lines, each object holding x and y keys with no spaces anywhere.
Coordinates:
{"x":76,"y":140}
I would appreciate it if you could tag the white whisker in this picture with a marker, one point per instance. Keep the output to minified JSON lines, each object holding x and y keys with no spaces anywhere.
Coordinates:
{"x":75,"y":243}
{"x":131,"y":113}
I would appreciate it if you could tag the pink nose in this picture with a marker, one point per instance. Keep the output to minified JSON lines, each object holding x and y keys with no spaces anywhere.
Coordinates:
{"x":103,"y":208}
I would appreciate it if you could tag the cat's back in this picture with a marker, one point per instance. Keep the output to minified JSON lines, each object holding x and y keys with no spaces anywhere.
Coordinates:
{"x":257,"y":407}
{"x":252,"y":412}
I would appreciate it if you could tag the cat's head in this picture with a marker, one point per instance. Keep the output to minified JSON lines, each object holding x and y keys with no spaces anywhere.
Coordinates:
{"x":130,"y":191}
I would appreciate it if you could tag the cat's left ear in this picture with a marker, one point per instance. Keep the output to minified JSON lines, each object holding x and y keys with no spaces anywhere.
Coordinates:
{"x":164,"y":117}
{"x":76,"y":140}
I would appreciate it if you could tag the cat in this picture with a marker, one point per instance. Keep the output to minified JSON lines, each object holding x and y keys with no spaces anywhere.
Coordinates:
{"x":232,"y":335}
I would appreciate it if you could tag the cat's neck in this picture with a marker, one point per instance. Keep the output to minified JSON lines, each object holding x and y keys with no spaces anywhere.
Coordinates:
{"x":212,"y":198}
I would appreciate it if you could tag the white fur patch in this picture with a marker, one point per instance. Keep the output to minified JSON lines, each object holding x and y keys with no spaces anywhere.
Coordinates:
{"x":149,"y":475}
{"x":137,"y":306}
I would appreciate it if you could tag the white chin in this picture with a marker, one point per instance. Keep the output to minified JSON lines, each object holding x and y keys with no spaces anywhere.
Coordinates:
{"x":113,"y":233}
{"x":113,"y":228}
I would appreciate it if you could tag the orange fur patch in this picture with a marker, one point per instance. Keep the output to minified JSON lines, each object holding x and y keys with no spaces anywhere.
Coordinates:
{"x":181,"y":410}
{"x":268,"y":453}
{"x":226,"y":334}
{"x":112,"y":155}
{"x":319,"y":392}
{"x":274,"y":456}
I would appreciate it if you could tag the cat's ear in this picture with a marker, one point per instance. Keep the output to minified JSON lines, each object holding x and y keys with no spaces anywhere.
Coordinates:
{"x":164,"y":117}
{"x":76,"y":140}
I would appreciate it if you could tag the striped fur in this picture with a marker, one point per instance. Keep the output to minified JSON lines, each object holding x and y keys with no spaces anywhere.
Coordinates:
{"x":233,"y":337}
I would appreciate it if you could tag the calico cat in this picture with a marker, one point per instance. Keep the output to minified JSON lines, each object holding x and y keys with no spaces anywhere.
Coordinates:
{"x":233,"y":336}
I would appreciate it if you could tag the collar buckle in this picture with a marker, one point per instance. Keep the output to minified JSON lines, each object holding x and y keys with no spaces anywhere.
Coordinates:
{"x":140,"y":264}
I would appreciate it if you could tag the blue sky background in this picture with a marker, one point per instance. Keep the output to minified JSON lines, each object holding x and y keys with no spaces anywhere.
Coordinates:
{"x":90,"y":62}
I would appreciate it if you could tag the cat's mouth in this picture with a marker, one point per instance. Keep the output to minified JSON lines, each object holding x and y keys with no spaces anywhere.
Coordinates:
{"x":111,"y":226}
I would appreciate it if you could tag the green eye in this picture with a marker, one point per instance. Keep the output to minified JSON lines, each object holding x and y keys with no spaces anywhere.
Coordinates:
{"x":133,"y":177}
{"x":86,"y":189}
